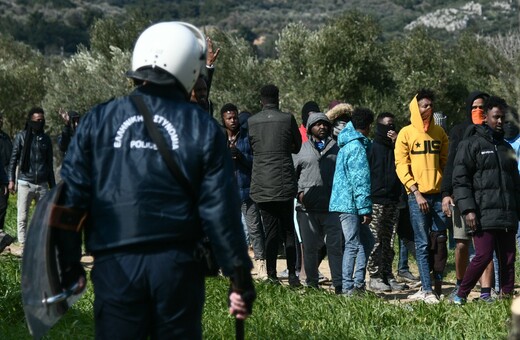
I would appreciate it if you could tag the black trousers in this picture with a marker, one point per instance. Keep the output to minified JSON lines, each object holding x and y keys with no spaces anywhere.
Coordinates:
{"x":148,"y":295}
{"x":278,"y":220}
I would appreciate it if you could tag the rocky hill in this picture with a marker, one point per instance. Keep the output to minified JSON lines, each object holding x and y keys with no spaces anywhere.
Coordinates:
{"x":58,"y":26}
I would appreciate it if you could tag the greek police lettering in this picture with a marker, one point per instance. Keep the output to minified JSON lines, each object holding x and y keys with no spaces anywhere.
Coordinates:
{"x":428,"y":146}
{"x":486,"y":152}
{"x":140,"y":144}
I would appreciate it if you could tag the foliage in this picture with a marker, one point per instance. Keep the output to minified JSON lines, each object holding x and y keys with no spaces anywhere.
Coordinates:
{"x":84,"y":80}
{"x":238,"y":74}
{"x":21,"y":75}
{"x":120,"y":32}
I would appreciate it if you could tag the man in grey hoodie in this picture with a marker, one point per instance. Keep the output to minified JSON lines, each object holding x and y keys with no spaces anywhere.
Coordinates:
{"x":315,"y":165}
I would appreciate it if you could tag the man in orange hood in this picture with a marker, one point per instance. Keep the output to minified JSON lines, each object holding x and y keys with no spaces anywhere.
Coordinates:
{"x":421,"y":152}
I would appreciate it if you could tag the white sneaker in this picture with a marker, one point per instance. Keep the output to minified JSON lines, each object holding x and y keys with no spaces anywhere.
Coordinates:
{"x":427,"y":297}
{"x":431,"y":298}
{"x":418,"y":295}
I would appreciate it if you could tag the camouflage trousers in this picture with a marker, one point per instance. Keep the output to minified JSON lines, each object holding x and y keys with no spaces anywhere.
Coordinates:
{"x":384,"y":219}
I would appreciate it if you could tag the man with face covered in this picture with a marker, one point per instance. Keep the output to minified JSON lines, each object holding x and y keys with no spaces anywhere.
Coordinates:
{"x":421,"y":152}
{"x":32,"y":154}
{"x":474,"y":116}
{"x":486,"y":186}
{"x":385,"y":191}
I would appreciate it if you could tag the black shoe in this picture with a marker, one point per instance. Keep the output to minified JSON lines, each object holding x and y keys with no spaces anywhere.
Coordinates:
{"x":294,"y":281}
{"x":5,"y":241}
{"x":338,"y":290}
{"x":273,"y":280}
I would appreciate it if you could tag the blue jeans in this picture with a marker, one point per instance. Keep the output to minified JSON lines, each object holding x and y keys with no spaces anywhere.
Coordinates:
{"x":359,"y":242}
{"x":423,"y":224}
{"x":403,"y":258}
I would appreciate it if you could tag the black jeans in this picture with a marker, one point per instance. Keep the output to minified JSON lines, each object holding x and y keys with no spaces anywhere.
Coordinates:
{"x":278,"y":220}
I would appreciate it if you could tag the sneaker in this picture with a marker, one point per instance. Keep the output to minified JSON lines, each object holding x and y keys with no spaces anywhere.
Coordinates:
{"x":457,"y":300}
{"x":273,"y":280}
{"x":486,"y":298}
{"x":283,"y":274}
{"x":378,"y":285}
{"x":294,"y":281}
{"x":5,"y":241}
{"x":453,"y":293}
{"x":408,"y":277}
{"x":430,"y":298}
{"x":338,"y":290}
{"x":397,"y":286}
{"x":17,"y":249}
{"x":418,"y":295}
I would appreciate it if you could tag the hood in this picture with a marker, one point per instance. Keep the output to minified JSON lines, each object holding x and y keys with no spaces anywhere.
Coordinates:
{"x":469,"y":102}
{"x":415,"y":116}
{"x":314,"y":118}
{"x":340,"y":110}
{"x":349,"y":134}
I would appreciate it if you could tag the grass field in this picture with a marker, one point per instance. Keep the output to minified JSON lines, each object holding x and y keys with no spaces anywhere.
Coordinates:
{"x":283,"y":313}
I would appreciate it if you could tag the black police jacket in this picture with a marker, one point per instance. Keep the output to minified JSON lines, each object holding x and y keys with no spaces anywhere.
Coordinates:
{"x":114,"y":171}
{"x":40,"y":164}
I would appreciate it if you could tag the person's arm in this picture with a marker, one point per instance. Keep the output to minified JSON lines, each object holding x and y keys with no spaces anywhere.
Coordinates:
{"x":296,"y":136}
{"x":49,"y":160}
{"x":13,"y":162}
{"x":359,"y":177}
{"x":403,"y":168}
{"x":211,"y":57}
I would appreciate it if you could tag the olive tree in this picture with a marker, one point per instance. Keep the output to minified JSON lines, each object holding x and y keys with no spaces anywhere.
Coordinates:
{"x":21,"y":75}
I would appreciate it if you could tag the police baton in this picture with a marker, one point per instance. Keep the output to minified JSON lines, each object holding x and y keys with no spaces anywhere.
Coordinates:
{"x":238,"y":283}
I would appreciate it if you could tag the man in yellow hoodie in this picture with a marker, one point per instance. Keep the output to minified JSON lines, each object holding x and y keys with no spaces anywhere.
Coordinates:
{"x":421,"y":152}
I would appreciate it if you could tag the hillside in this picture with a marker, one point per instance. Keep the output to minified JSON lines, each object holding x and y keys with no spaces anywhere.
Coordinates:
{"x":58,"y":26}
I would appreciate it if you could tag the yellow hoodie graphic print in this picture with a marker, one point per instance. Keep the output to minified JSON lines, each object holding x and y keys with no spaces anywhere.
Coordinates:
{"x":420,"y":156}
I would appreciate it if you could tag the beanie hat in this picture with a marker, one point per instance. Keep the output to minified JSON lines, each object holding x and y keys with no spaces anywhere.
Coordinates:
{"x":308,"y":107}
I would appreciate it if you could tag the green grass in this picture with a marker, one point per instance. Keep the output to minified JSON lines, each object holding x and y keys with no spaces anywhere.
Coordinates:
{"x":283,"y":313}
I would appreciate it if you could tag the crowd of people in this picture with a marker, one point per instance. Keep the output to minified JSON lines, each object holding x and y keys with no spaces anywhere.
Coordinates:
{"x":351,"y":195}
{"x":337,"y":186}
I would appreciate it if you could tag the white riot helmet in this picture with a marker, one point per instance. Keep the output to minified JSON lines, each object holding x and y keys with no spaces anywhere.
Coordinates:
{"x":168,"y":53}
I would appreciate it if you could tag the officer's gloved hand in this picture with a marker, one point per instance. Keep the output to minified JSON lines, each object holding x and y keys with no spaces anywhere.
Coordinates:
{"x":242,"y":284}
{"x":72,"y":274}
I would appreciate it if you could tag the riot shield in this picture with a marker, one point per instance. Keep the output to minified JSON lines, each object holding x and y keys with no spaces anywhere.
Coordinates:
{"x":44,"y":301}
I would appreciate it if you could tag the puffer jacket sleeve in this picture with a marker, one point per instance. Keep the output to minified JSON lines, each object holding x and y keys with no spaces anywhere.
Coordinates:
{"x":464,"y":168}
{"x":359,"y":177}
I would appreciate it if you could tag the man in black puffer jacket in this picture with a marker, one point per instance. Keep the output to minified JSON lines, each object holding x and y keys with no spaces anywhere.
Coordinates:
{"x":474,"y":115}
{"x":486,"y":186}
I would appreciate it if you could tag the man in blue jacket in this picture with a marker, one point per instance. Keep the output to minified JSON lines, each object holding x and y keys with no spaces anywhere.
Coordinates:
{"x":144,"y":224}
{"x":351,"y":198}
